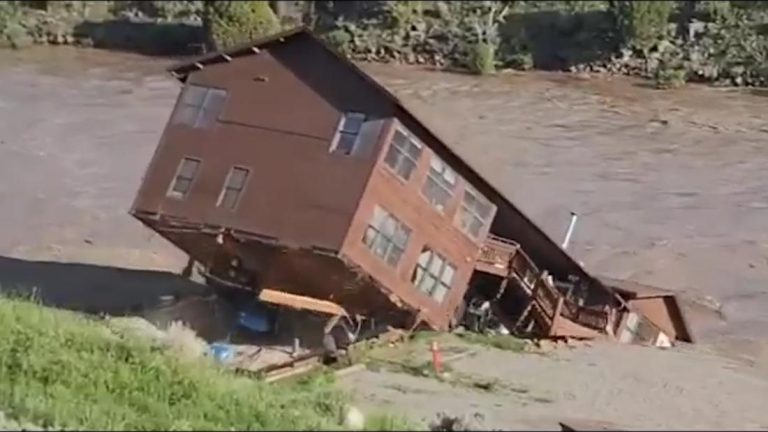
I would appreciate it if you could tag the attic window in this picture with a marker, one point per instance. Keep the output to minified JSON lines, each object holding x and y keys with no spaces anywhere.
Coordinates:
{"x":347,"y":133}
{"x":433,"y":274}
{"x":199,"y":106}
{"x":386,"y":236}
{"x":475,"y":213}
{"x":185,"y":175}
{"x":440,"y":184}
{"x":403,"y":154}
{"x":233,"y":188}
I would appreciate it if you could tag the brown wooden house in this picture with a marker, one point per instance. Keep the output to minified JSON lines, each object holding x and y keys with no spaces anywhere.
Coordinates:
{"x":286,"y":169}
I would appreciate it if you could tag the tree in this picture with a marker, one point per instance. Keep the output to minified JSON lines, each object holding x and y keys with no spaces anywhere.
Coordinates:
{"x":641,"y":24}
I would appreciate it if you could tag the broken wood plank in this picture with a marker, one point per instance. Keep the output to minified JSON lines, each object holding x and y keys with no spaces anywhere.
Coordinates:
{"x":292,"y":371}
{"x":296,"y":301}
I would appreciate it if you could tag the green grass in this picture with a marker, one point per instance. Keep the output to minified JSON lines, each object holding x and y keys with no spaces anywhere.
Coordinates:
{"x":498,"y":341}
{"x":59,"y":369}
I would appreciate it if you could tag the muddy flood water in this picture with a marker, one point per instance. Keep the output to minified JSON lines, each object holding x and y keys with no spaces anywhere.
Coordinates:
{"x":672,"y":187}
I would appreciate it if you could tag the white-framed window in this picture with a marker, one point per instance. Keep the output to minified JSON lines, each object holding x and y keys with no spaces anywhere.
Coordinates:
{"x":433,"y":274}
{"x":199,"y":106}
{"x":233,"y":188}
{"x":440,"y":184}
{"x":403,"y":154}
{"x":185,"y":176}
{"x":347,"y":133}
{"x":386,"y":236}
{"x":475,"y":213}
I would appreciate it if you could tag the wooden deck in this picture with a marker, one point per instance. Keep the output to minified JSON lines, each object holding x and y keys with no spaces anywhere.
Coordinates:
{"x":548,"y":308}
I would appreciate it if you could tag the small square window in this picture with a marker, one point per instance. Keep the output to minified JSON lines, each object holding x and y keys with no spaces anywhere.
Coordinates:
{"x":475,"y":213}
{"x":185,"y":175}
{"x":403,"y":154}
{"x":440,"y":184}
{"x":433,"y":274}
{"x":386,"y":236}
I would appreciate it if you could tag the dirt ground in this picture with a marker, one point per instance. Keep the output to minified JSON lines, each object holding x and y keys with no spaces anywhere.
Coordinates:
{"x":670,"y":187}
{"x":633,"y":387}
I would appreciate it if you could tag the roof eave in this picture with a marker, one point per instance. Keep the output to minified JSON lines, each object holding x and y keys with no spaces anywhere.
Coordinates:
{"x":182,"y":69}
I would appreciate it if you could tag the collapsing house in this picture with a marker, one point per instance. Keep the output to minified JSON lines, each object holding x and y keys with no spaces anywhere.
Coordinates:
{"x":286,"y":170}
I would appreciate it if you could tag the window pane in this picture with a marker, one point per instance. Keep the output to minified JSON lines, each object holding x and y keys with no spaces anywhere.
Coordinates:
{"x":181,"y":186}
{"x":447,"y":277}
{"x":392,"y":156}
{"x":394,"y":256}
{"x":435,"y":194}
{"x":379,"y":215}
{"x":400,"y":139}
{"x":380,"y":245}
{"x":237,"y":178}
{"x":439,"y":292}
{"x":424,"y":258}
{"x":346,"y":143}
{"x":418,"y":273}
{"x":400,"y":237}
{"x":369,"y":236}
{"x":450,"y":176}
{"x":436,"y":266}
{"x":405,"y":168}
{"x":388,"y":226}
{"x":413,"y":149}
{"x":185,"y":114}
{"x":193,"y":95}
{"x":475,"y":226}
{"x":188,"y":168}
{"x":427,"y":283}
{"x":229,"y":199}
{"x":352,"y":122}
{"x":215,"y":100}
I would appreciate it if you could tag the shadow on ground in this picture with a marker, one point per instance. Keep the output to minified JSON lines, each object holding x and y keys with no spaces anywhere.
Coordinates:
{"x":94,"y":289}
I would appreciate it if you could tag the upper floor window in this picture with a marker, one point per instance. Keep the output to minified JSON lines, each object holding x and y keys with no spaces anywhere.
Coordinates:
{"x":433,"y":274}
{"x":403,"y":154}
{"x":440,"y":184}
{"x":185,"y":175}
{"x":199,"y":106}
{"x":348,"y":132}
{"x":386,"y":236}
{"x":233,"y":188}
{"x":476,"y":212}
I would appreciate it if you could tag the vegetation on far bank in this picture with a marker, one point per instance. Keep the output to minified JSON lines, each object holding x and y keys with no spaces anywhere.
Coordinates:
{"x":671,"y":42}
{"x":63,"y":370}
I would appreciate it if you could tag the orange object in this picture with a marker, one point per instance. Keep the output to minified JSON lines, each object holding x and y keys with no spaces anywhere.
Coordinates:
{"x":437,"y":358}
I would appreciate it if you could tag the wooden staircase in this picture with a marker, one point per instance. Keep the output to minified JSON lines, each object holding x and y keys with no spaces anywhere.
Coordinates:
{"x":548,"y":312}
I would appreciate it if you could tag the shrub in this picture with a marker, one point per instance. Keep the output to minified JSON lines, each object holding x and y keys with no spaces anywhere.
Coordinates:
{"x":234,"y":22}
{"x":483,"y":58}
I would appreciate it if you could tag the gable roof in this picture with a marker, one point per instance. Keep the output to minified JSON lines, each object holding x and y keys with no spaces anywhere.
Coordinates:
{"x":181,"y":70}
{"x":636,"y":291}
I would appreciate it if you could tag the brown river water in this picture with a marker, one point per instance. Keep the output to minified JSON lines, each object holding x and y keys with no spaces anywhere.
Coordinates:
{"x":671,"y":186}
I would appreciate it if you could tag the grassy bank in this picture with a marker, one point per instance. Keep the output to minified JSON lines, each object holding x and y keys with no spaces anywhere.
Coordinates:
{"x":62,"y":370}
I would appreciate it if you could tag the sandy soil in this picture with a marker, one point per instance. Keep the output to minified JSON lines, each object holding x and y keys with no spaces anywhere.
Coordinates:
{"x":670,"y":186}
{"x":636,"y":388}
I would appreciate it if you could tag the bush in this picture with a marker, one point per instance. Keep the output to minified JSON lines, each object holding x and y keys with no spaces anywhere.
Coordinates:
{"x":670,"y":77}
{"x":234,"y":22}
{"x":483,"y":58}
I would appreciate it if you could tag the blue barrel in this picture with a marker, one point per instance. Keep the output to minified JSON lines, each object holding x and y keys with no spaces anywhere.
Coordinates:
{"x":222,"y":352}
